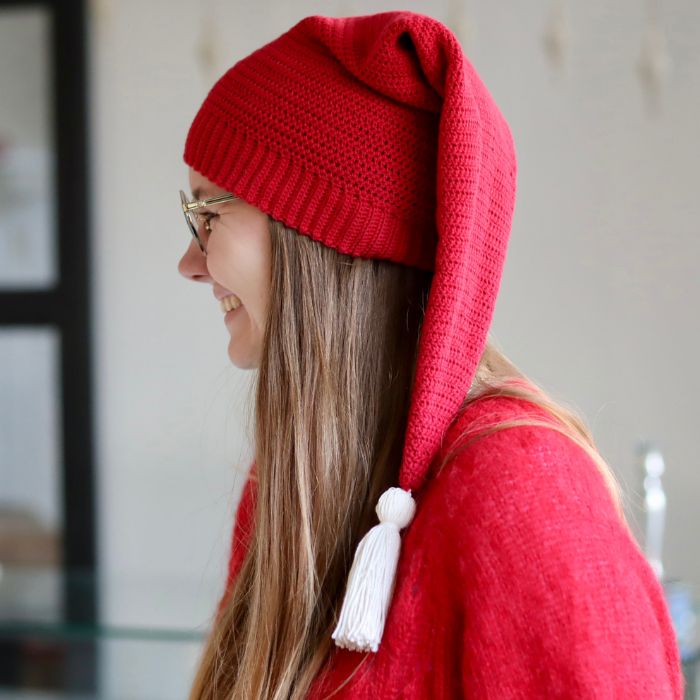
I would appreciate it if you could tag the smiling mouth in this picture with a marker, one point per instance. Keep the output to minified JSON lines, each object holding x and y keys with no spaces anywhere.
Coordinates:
{"x":229,"y":303}
{"x":231,"y":313}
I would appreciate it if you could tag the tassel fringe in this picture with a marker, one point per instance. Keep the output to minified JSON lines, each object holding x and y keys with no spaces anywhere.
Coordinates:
{"x":372,"y":575}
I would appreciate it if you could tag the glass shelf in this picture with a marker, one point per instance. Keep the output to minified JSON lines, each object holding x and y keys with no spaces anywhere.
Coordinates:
{"x":51,"y":648}
{"x":34,"y":602}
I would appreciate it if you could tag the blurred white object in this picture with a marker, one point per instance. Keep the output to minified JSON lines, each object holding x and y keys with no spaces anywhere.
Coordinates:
{"x":654,"y":506}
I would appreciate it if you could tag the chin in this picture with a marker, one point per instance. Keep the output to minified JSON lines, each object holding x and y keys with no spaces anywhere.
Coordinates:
{"x":242,"y":362}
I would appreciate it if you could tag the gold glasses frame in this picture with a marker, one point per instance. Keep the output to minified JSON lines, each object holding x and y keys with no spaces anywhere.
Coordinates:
{"x":189,"y":210}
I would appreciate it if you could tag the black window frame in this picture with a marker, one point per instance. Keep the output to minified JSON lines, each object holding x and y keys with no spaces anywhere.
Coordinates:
{"x":67,"y":309}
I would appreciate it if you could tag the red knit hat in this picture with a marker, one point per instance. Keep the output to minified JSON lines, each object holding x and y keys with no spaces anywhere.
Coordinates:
{"x":375,"y":136}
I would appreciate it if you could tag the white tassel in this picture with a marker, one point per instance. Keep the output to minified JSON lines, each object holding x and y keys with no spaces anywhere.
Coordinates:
{"x":371,"y":579}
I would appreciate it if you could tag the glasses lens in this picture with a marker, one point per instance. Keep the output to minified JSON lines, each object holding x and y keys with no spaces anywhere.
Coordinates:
{"x":193,"y":223}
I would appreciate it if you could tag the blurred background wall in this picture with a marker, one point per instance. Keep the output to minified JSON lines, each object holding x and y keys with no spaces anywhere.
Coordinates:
{"x":598,"y":303}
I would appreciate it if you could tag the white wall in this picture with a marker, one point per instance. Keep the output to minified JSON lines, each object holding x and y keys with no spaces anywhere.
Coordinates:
{"x":597,"y":300}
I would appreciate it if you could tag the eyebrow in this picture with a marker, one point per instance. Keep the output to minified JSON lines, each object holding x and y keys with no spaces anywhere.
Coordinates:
{"x":197,"y":192}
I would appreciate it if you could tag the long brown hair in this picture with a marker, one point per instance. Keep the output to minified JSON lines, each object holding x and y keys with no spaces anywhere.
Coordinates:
{"x":331,"y":402}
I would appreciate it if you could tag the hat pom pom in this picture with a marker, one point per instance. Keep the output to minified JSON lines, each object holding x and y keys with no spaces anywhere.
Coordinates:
{"x":371,"y":579}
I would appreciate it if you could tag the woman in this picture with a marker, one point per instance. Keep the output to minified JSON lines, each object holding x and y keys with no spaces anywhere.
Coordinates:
{"x":354,"y":186}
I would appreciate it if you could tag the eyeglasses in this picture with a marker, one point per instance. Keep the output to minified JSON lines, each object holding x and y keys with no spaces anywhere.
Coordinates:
{"x":193,"y":219}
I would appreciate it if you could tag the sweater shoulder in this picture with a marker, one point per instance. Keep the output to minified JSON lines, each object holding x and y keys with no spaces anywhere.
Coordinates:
{"x":521,"y":497}
{"x":521,"y":467}
{"x":538,"y":561}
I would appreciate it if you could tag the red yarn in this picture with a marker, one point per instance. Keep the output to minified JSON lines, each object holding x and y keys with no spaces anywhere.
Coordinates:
{"x":375,"y":136}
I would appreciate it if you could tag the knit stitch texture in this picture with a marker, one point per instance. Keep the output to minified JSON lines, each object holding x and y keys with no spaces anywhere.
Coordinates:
{"x":516,"y":581}
{"x":375,"y":136}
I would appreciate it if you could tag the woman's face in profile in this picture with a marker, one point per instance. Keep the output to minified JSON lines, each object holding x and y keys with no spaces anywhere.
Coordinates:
{"x":238,"y":262}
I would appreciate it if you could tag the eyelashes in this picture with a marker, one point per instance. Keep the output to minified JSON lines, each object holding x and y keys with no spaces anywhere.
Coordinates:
{"x":206,"y":218}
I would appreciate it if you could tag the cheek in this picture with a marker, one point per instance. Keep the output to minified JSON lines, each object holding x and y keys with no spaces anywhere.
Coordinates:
{"x":227,"y":256}
{"x":241,"y":263}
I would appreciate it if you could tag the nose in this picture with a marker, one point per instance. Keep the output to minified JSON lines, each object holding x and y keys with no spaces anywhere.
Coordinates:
{"x":193,"y":264}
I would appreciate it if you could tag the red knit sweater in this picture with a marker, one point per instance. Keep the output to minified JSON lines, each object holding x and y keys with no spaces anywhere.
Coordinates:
{"x":515,"y":580}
